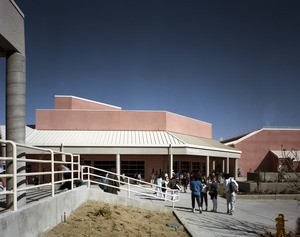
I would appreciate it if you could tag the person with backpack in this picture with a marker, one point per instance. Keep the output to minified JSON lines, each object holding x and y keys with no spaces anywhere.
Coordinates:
{"x":231,"y":187}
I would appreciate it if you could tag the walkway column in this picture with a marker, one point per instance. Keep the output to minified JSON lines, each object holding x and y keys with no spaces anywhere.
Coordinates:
{"x":171,"y":162}
{"x":207,"y":166}
{"x":235,"y":168}
{"x":223,"y":165}
{"x":118,"y":164}
{"x":214,"y":165}
{"x":227,"y":165}
{"x":15,"y":117}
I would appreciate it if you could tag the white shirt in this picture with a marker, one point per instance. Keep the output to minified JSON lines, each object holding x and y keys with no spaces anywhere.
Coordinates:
{"x":226,"y":184}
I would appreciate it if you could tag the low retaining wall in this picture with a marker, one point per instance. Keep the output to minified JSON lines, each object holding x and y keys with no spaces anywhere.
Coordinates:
{"x":270,"y":197}
{"x":38,"y":217}
{"x":266,"y":187}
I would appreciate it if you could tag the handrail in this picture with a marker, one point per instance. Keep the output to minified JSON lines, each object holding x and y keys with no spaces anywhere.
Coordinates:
{"x":51,"y":161}
{"x":131,"y":186}
{"x":84,"y":173}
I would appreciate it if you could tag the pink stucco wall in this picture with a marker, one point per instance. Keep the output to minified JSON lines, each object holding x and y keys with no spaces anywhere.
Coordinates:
{"x":255,"y":149}
{"x":72,"y":102}
{"x":80,"y":114}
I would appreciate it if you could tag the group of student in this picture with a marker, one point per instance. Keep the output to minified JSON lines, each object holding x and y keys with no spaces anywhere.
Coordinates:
{"x":201,"y":188}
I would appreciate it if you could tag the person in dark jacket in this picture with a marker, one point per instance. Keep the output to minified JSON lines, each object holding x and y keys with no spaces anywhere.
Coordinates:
{"x":214,"y":189}
{"x":196,"y":187}
{"x":113,"y":180}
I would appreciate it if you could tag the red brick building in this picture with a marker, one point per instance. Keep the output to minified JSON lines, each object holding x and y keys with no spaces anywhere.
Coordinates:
{"x":265,"y":149}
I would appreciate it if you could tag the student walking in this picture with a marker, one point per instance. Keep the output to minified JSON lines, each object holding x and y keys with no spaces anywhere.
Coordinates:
{"x":214,"y":191}
{"x":204,"y":193}
{"x":231,"y":188}
{"x":196,"y":187}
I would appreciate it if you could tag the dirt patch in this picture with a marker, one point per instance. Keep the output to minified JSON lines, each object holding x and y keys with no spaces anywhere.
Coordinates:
{"x":101,"y":219}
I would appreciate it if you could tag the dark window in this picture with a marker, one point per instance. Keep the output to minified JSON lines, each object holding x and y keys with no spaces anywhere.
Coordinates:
{"x":133,"y":167}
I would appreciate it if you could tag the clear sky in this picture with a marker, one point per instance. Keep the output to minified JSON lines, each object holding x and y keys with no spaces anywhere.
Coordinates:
{"x":234,"y":64}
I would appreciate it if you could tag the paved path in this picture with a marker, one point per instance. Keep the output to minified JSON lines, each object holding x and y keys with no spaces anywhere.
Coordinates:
{"x":251,"y":218}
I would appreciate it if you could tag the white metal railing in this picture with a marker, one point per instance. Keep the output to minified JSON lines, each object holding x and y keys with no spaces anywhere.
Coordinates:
{"x":51,"y":159}
{"x":93,"y":175}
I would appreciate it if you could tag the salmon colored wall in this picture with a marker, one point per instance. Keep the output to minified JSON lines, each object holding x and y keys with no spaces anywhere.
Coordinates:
{"x":71,"y":102}
{"x":120,"y":120}
{"x":99,"y":120}
{"x":73,"y":113}
{"x":181,"y":124}
{"x":255,"y":148}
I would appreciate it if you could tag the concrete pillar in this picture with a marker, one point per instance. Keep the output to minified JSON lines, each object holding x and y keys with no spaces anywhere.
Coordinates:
{"x":15,"y":117}
{"x":223,"y":165}
{"x":15,"y":98}
{"x":235,"y":168}
{"x":207,"y":166}
{"x":118,"y":164}
{"x":214,"y":165}
{"x":171,"y":162}
{"x":227,"y":165}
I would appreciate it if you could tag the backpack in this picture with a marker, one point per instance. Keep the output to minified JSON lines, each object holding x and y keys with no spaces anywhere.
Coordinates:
{"x":232,"y":186}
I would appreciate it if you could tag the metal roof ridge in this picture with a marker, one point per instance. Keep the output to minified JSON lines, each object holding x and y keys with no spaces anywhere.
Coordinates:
{"x":176,"y":137}
{"x":243,"y":138}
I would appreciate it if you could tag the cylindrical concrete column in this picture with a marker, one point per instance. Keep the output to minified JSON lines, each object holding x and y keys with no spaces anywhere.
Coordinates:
{"x":207,"y":166}
{"x":15,"y":98}
{"x":15,"y":116}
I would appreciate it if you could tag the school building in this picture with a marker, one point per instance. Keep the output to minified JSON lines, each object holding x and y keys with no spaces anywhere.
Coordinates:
{"x":106,"y":136}
{"x":267,"y":149}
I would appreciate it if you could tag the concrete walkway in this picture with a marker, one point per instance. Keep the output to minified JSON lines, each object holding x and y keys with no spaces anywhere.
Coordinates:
{"x":251,"y":218}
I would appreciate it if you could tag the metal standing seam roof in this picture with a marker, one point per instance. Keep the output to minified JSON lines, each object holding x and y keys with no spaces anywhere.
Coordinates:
{"x":204,"y":143}
{"x":126,"y":139}
{"x":101,"y":138}
{"x":28,"y":131}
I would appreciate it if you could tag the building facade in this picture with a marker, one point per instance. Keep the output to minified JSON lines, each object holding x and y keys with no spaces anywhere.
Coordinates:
{"x":106,"y":136}
{"x":265,"y":150}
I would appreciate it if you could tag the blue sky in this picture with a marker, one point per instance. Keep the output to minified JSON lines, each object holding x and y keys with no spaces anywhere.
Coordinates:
{"x":234,"y":64}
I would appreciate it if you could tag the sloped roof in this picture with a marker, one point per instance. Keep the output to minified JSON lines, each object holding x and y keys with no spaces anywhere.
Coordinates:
{"x":235,"y":140}
{"x":126,"y":142}
{"x":204,"y":143}
{"x":101,"y":138}
{"x":285,"y":154}
{"x":28,"y":131}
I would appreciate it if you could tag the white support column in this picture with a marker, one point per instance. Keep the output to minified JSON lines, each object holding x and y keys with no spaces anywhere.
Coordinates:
{"x":236,"y":163}
{"x":213,"y":164}
{"x":227,"y":165}
{"x":223,"y":165}
{"x":171,"y":162}
{"x":207,"y":166}
{"x":118,"y":164}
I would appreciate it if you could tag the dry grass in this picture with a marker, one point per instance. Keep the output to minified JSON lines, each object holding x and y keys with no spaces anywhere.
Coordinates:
{"x":101,"y":219}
